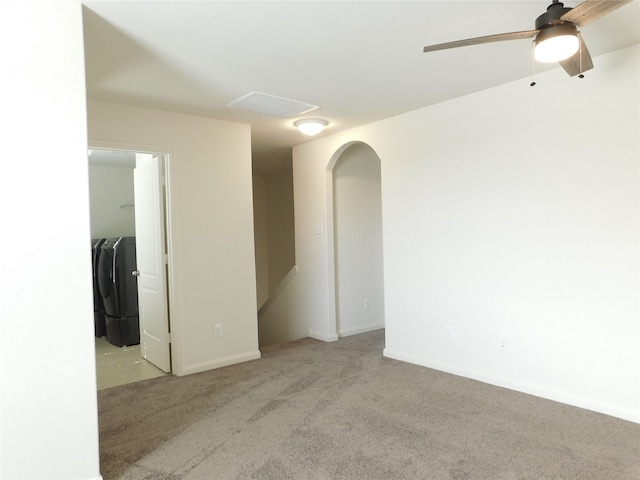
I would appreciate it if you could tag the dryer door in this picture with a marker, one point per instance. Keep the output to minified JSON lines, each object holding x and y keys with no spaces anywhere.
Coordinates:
{"x":105,"y":279}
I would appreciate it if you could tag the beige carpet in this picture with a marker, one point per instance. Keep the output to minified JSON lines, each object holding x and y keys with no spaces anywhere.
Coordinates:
{"x":314,"y":410}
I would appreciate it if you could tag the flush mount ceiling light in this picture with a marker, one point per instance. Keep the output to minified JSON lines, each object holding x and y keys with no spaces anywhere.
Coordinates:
{"x":310,"y":126}
{"x":556,"y":43}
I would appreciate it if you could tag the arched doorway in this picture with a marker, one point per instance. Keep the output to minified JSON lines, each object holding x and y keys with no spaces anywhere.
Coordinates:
{"x":357,"y":240}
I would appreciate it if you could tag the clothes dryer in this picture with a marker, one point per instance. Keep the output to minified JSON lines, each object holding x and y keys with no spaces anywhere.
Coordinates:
{"x":119,"y":290}
{"x":98,"y":306}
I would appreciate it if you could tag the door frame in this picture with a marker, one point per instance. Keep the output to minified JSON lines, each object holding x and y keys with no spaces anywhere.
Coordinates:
{"x":167,"y":154}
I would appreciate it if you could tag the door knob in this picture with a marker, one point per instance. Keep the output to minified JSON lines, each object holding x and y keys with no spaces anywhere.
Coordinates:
{"x":136,"y":273}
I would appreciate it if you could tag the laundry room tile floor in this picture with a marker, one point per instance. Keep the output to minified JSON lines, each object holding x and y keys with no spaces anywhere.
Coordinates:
{"x":120,"y":365}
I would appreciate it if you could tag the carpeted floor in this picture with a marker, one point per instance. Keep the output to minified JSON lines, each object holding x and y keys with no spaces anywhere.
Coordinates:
{"x":313,"y":410}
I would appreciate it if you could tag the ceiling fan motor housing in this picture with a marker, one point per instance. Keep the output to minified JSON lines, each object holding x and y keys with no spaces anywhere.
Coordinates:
{"x":552,"y":16}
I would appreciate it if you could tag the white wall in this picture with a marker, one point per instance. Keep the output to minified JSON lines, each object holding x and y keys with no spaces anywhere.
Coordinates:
{"x":48,"y":405}
{"x":509,"y":213}
{"x":275,"y":257}
{"x":280,"y":231}
{"x":283,"y":319}
{"x":211,"y":227}
{"x":357,"y":220}
{"x":274,"y":231}
{"x":260,"y":228}
{"x":111,"y":201}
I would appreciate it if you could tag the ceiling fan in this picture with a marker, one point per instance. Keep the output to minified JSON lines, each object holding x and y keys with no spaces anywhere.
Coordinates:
{"x":557,"y":38}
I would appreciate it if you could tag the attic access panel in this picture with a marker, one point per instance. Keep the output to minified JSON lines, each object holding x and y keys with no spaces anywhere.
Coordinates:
{"x":271,"y":105}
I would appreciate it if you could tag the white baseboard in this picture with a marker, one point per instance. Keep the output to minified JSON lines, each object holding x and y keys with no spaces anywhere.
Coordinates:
{"x":361,"y":329}
{"x":220,"y":362}
{"x":325,"y":338}
{"x":519,"y":386}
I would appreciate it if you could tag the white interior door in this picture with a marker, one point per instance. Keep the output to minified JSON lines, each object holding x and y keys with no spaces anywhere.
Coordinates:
{"x":151,"y":261}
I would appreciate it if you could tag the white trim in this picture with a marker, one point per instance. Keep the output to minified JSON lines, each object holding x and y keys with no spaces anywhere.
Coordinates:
{"x":518,"y":386}
{"x":361,"y":329}
{"x":332,"y":337}
{"x":218,"y":363}
{"x":332,"y":312}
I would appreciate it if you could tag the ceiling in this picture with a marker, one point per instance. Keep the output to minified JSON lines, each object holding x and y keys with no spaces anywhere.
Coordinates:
{"x":111,"y":158}
{"x":359,"y":61}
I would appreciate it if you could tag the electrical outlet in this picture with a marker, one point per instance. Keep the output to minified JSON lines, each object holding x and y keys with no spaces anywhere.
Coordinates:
{"x":451,"y":333}
{"x":217,"y":330}
{"x":503,"y":344}
{"x":367,"y":304}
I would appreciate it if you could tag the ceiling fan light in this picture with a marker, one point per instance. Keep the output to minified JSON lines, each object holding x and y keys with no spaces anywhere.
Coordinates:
{"x":310,"y":126}
{"x":556,"y":43}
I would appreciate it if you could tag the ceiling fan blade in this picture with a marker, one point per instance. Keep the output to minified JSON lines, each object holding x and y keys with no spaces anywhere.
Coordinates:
{"x":478,"y":40}
{"x":579,"y":62}
{"x":591,"y":10}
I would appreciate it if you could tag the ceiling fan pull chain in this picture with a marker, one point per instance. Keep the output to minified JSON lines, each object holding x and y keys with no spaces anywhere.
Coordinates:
{"x":580,"y":53}
{"x":533,"y":65}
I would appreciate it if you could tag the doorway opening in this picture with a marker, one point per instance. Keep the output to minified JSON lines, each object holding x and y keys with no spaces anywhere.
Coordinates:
{"x":357,"y":240}
{"x":129,"y":202}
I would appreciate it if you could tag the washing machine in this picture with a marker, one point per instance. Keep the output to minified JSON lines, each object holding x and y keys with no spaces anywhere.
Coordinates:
{"x":119,"y":290}
{"x":98,"y":306}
